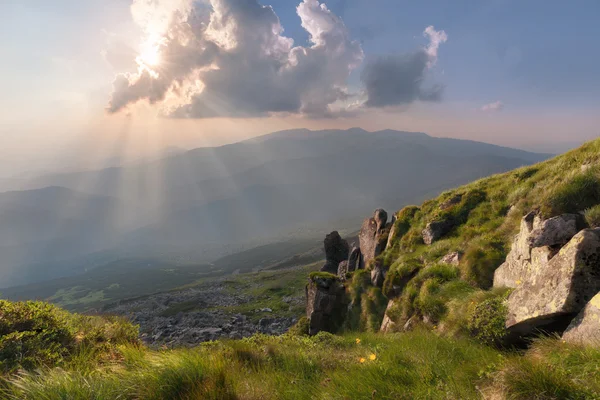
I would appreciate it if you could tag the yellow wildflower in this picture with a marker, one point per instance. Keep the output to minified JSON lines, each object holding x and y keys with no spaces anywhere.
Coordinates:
{"x":357,"y":341}
{"x":518,"y":282}
{"x":372,"y":357}
{"x":362,"y":360}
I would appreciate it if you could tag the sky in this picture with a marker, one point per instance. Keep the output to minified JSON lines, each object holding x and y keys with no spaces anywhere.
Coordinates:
{"x":85,"y":80}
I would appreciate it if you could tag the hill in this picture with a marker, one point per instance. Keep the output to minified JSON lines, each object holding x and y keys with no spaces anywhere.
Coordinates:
{"x":454,"y":347}
{"x":203,"y":204}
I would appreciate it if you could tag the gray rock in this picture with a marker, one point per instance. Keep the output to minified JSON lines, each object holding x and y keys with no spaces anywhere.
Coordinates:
{"x":535,"y":244}
{"x":435,"y":230}
{"x":387,"y":325}
{"x":452,"y":258}
{"x":342,"y":270}
{"x":551,"y":293}
{"x":326,"y":304}
{"x":354,"y":259}
{"x":378,"y":274}
{"x":336,"y":251}
{"x":585,"y":328}
{"x":370,"y":237}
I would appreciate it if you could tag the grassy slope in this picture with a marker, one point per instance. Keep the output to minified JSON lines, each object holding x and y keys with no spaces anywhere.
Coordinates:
{"x":486,"y":219}
{"x":442,"y":362}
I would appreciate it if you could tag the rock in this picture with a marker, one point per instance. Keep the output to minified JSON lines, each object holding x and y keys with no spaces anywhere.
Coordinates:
{"x":436,"y":230}
{"x":387,"y":325}
{"x":536,"y":243}
{"x":371,"y":238}
{"x":378,"y":274}
{"x":410,"y":324}
{"x":326,"y":304}
{"x":552,"y":292}
{"x":452,"y":258}
{"x":354,"y":259}
{"x":336,"y":251}
{"x":585,"y":328}
{"x":451,"y":202}
{"x":555,"y":231}
{"x":342,"y":270}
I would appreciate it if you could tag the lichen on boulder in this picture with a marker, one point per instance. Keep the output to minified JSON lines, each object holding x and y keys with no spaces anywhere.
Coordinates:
{"x":551,"y":294}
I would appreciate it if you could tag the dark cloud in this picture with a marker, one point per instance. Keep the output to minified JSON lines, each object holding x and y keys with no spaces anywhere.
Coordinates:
{"x":400,"y":80}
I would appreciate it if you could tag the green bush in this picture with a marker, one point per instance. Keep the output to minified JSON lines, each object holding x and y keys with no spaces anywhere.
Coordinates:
{"x":578,"y":194}
{"x":399,"y":275}
{"x":34,"y":334}
{"x":300,"y":328}
{"x":487,"y":320}
{"x":592,"y":216}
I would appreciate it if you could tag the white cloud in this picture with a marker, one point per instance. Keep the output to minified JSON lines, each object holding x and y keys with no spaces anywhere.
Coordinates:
{"x":230,"y":58}
{"x":493,"y":107}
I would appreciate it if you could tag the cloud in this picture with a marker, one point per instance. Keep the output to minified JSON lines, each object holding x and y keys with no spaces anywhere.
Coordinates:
{"x":230,"y":58}
{"x":493,"y":107}
{"x":399,"y":80}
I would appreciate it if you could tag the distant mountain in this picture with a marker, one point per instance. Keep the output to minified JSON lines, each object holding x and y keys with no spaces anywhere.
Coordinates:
{"x":208,"y":202}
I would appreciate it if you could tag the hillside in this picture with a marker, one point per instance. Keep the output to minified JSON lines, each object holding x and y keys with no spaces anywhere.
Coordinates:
{"x":200,"y":205}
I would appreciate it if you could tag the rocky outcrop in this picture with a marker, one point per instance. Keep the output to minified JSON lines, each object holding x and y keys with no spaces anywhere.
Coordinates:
{"x":435,"y":230}
{"x":387,"y":325}
{"x":536,"y":243}
{"x":551,"y":291}
{"x":354,"y":259}
{"x":326,"y":304}
{"x":378,"y":274}
{"x":585,"y":328}
{"x":336,"y":251}
{"x":342,"y":270}
{"x":371,"y":236}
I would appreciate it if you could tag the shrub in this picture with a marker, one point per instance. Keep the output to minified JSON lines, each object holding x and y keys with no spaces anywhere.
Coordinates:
{"x":592,"y":216}
{"x":487,"y":320}
{"x":399,"y":276}
{"x":300,"y":328}
{"x":579,"y":193}
{"x":34,"y":334}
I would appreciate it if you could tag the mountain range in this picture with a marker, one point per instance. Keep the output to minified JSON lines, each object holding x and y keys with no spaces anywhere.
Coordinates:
{"x":202,"y":204}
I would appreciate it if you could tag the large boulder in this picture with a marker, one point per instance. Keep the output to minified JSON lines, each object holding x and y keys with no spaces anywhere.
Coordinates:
{"x":536,"y":243}
{"x":336,"y":251}
{"x":371,"y":236}
{"x":435,"y":230}
{"x":326,"y":303}
{"x":585,"y":328}
{"x":551,"y":292}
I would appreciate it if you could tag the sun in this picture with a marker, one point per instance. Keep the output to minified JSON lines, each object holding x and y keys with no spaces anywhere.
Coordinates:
{"x":150,"y":56}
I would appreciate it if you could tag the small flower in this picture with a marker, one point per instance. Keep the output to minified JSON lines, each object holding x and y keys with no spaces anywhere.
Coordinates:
{"x":362,"y":360}
{"x":518,"y":282}
{"x":357,"y":341}
{"x":372,"y":357}
{"x":435,"y":327}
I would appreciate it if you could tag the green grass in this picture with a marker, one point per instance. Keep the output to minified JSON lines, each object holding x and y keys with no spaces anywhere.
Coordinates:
{"x":415,"y":365}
